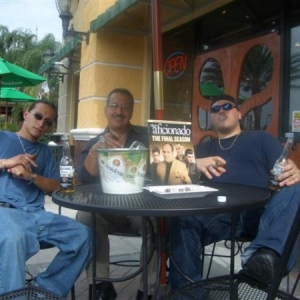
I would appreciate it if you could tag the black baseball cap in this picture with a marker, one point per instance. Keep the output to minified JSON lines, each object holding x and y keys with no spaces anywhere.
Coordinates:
{"x":224,"y":97}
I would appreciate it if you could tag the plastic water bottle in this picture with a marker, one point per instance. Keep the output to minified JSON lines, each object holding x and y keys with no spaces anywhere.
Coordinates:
{"x":281,"y":162}
{"x":66,"y":168}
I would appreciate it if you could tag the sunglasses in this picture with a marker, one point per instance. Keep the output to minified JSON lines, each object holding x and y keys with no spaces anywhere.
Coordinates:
{"x":40,"y":117}
{"x":225,"y":107}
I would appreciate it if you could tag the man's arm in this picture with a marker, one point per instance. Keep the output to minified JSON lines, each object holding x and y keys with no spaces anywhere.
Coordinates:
{"x":88,"y":166}
{"x":108,"y":140}
{"x":25,"y":160}
{"x":47,"y":185}
{"x":90,"y":161}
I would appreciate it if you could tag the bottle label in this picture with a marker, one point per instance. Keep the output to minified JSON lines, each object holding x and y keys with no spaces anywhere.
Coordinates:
{"x":273,"y":181}
{"x":66,"y":176}
{"x":277,"y":170}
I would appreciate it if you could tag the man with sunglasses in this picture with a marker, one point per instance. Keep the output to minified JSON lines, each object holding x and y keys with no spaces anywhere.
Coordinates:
{"x":119,"y":133}
{"x":246,"y":158}
{"x":27,"y":173}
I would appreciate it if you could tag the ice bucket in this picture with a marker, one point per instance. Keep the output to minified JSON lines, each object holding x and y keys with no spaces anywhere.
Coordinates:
{"x":122,"y":171}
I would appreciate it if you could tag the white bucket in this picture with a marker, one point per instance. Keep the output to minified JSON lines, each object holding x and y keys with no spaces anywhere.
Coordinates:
{"x":122,"y":171}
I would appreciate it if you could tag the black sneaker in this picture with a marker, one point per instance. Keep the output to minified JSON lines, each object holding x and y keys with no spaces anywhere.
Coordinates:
{"x":262,"y":265}
{"x":140,"y":296}
{"x":104,"y":291}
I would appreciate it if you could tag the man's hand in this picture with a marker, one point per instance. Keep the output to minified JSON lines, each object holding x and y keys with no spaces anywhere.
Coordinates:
{"x":113,"y":140}
{"x":109,"y":140}
{"x":25,"y":160}
{"x":211,"y":166}
{"x":20,"y":172}
{"x":290,"y":174}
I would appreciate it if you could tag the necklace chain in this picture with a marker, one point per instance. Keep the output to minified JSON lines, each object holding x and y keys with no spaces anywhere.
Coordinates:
{"x":230,"y":145}
{"x":23,"y":147}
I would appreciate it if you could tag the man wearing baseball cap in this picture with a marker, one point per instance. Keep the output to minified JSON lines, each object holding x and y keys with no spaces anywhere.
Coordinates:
{"x":246,"y":158}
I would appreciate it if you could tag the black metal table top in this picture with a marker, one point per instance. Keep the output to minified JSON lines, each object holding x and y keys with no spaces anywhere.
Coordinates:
{"x":91,"y":199}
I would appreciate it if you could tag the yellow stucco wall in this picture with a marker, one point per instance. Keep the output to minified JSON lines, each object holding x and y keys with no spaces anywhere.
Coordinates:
{"x":111,"y":60}
{"x":88,"y":10}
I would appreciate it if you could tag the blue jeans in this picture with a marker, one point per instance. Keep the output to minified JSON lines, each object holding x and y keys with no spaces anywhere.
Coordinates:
{"x":270,"y":226}
{"x":20,"y":233}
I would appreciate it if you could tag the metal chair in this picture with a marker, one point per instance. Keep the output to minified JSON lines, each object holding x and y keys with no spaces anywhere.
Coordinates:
{"x":134,"y":263}
{"x":44,"y":246}
{"x":239,"y":243}
{"x":239,"y":286}
{"x":131,"y":263}
{"x":30,"y":293}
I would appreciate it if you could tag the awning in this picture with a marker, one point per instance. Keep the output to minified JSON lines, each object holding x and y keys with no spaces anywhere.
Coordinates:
{"x":62,"y":53}
{"x":111,"y":13}
{"x":134,"y":17}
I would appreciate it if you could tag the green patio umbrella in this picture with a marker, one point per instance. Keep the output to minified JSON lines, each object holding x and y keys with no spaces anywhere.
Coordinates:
{"x":13,"y":95}
{"x":14,"y":76}
{"x":209,"y":89}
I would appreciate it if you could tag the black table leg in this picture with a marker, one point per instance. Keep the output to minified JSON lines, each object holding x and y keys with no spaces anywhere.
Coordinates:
{"x":232,"y":285}
{"x":144,"y":255}
{"x":94,"y":250}
{"x":232,"y":248}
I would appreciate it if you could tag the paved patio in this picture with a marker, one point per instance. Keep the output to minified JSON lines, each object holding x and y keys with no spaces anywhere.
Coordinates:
{"x":127,"y":248}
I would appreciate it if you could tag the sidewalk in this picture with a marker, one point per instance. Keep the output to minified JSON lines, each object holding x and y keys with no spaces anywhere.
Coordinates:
{"x":128,"y":248}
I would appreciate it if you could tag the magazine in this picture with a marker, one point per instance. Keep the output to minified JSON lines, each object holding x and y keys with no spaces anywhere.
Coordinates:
{"x":171,"y":151}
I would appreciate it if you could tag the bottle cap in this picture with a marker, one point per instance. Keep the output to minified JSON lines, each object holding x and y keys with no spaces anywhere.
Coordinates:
{"x":222,"y":199}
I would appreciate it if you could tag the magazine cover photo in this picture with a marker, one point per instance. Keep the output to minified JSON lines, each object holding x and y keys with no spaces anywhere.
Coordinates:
{"x":171,"y":150}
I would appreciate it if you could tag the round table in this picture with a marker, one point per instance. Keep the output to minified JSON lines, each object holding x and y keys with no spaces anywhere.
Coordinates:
{"x":90,"y":198}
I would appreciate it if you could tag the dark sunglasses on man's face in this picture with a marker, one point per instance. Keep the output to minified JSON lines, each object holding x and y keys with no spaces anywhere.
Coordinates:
{"x":40,"y":117}
{"x":225,"y":106}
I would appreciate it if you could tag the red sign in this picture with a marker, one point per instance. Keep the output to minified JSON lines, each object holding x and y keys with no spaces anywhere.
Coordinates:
{"x":175,"y":65}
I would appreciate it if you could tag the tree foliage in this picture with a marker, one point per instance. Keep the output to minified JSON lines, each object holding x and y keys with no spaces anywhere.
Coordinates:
{"x":22,"y":48}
